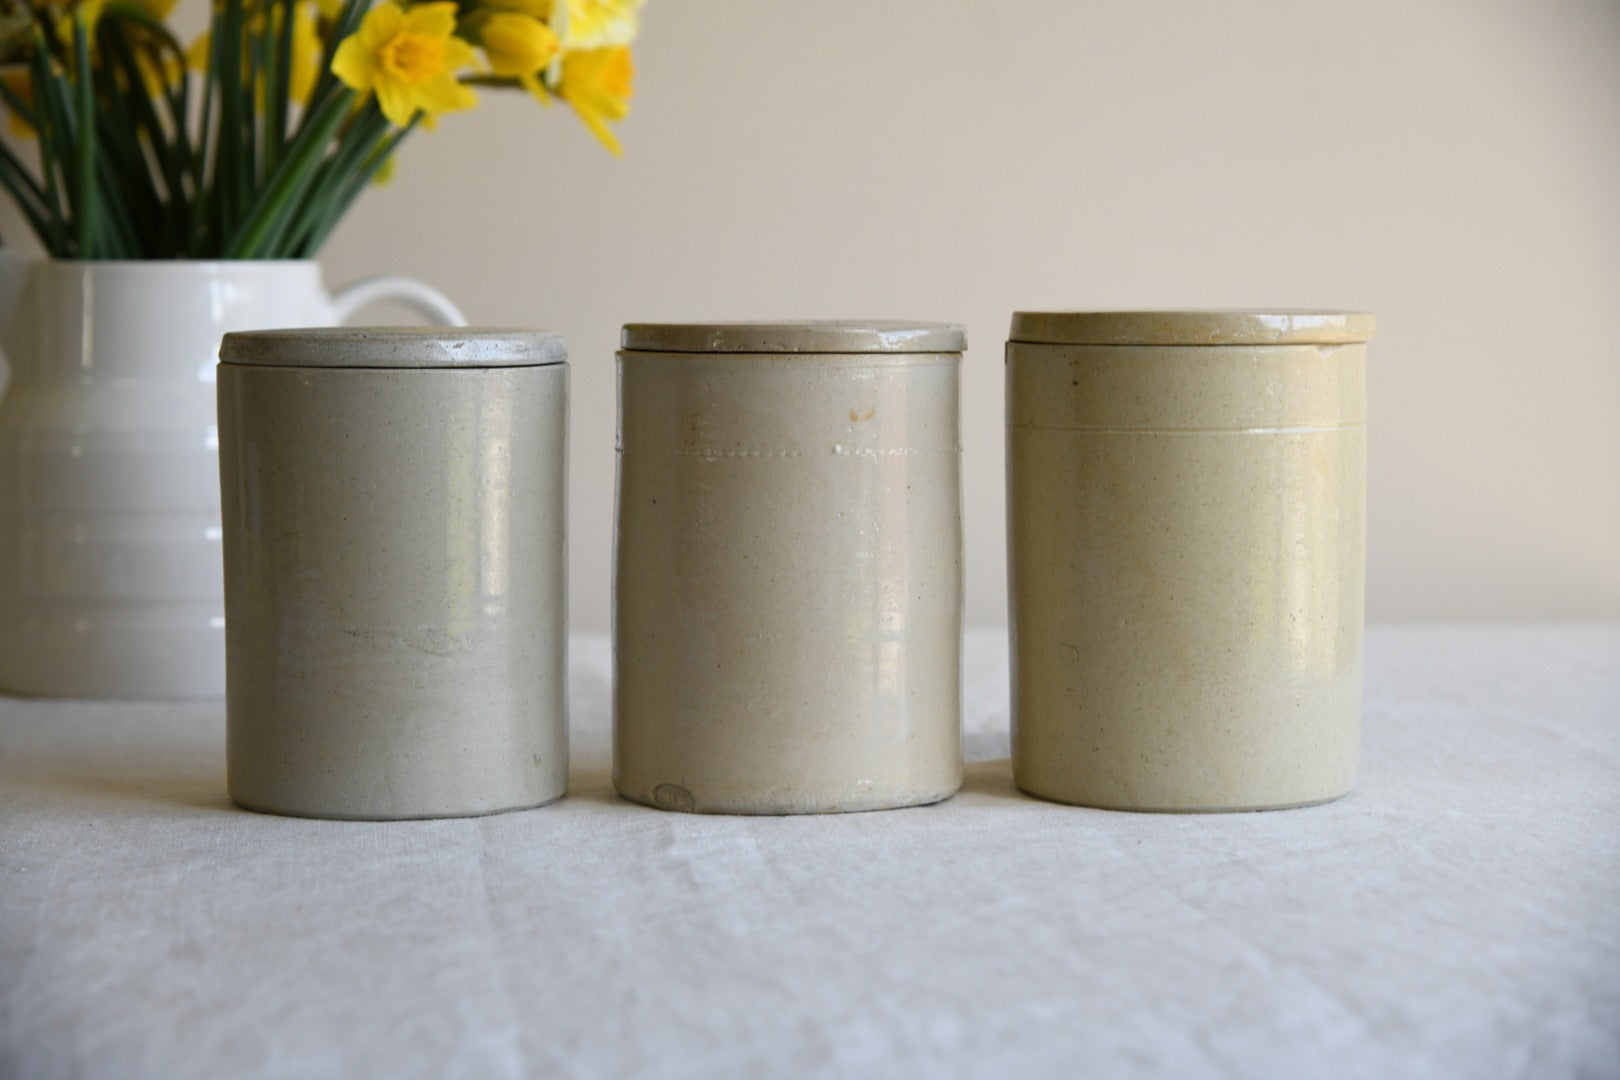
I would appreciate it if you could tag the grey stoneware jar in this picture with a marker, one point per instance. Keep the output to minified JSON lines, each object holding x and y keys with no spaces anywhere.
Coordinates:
{"x":1186,"y":496}
{"x":395,"y":623}
{"x":788,"y":567}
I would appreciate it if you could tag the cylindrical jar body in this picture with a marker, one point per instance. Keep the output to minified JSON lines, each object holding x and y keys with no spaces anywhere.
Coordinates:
{"x":788,"y":570}
{"x":1186,"y":499}
{"x":394,"y":571}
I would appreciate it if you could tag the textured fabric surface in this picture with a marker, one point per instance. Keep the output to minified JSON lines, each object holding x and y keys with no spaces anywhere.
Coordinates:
{"x":1458,"y":915}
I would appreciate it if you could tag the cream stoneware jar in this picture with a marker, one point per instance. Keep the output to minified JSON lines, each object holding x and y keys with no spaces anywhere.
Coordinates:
{"x":1186,"y":495}
{"x":394,"y":570}
{"x":788,"y":567}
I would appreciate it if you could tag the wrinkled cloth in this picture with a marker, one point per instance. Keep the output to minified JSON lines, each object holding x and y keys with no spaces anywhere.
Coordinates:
{"x":1457,"y":915}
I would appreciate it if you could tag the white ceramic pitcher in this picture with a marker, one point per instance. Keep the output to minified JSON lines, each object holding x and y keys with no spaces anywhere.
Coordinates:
{"x":110,"y":573}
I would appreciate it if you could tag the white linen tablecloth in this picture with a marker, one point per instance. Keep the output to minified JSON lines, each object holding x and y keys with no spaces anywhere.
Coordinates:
{"x":1458,"y":915}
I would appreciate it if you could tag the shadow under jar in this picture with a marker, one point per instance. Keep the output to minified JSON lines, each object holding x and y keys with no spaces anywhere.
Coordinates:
{"x":1186,"y":497}
{"x":788,"y":567}
{"x":394,"y":567}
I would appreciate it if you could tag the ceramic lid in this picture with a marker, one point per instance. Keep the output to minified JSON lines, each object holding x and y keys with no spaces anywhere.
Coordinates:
{"x":395,"y":347}
{"x":1275,"y":326}
{"x":815,"y":336}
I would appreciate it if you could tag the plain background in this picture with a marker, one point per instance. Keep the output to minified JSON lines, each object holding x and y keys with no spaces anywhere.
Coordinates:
{"x":1451,"y":165}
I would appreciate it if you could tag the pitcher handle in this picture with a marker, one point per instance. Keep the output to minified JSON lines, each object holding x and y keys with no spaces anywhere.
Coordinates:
{"x":420,"y":297}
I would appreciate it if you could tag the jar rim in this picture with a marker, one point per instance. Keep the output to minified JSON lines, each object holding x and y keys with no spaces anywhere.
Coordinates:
{"x":832,"y":336}
{"x":394,"y":347}
{"x":1265,"y":326}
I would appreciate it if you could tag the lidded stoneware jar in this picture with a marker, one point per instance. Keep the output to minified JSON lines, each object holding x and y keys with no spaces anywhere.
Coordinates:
{"x":788,"y":567}
{"x":394,"y":570}
{"x":1186,"y":497}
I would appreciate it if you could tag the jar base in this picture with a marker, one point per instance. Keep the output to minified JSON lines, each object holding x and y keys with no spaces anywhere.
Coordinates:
{"x":323,"y":815}
{"x":681,"y":801}
{"x":1246,"y":809}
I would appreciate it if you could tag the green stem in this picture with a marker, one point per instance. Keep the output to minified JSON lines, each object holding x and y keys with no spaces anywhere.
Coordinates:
{"x":229,"y":153}
{"x":16,"y":104}
{"x":46,"y":90}
{"x":26,"y":193}
{"x":355,"y":145}
{"x":85,"y":161}
{"x":347,"y":22}
{"x":340,"y":205}
{"x":277,"y":200}
{"x":280,"y":82}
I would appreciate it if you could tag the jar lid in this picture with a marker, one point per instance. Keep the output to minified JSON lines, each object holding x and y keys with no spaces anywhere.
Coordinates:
{"x":1276,"y":326}
{"x":815,"y":336}
{"x":394,"y":347}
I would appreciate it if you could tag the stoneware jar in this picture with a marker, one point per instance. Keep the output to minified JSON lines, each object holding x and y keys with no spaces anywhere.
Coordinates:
{"x":1186,"y":498}
{"x":788,"y":567}
{"x":394,"y":570}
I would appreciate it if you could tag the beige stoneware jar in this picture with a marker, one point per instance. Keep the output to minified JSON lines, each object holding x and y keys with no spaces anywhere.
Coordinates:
{"x":788,"y":567}
{"x":394,"y":570}
{"x":1186,"y":503}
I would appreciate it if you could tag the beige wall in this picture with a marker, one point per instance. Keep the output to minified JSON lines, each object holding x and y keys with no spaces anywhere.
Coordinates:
{"x":1453,"y":165}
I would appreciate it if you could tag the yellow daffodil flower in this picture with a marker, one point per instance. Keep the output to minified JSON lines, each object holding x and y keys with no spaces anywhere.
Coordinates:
{"x":408,"y":57}
{"x":597,"y":83}
{"x":516,"y":45}
{"x":598,"y":24}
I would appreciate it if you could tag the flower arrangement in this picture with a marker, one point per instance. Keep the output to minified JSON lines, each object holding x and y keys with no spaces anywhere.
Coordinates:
{"x":254,"y":141}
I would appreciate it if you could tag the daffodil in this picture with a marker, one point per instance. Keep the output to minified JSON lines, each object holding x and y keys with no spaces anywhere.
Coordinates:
{"x":516,"y":45}
{"x":597,"y":24}
{"x":409,"y":57}
{"x":598,"y":84}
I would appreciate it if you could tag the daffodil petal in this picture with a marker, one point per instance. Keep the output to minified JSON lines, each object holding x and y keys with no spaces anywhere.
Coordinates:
{"x":381,"y":25}
{"x":355,"y":64}
{"x":443,"y":94}
{"x":434,"y":20}
{"x":397,"y":101}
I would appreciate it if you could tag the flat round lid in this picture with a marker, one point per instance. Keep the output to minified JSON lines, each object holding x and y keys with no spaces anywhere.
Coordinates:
{"x":1277,"y":326}
{"x":816,"y":336}
{"x":395,"y":347}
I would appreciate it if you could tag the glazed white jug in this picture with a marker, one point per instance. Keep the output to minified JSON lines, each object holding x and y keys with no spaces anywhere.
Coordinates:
{"x":110,"y":573}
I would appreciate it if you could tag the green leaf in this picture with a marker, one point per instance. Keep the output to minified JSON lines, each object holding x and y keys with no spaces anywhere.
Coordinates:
{"x":279,"y":81}
{"x":85,"y":158}
{"x":355,"y":145}
{"x":276,"y":202}
{"x":56,"y":153}
{"x":340,"y":205}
